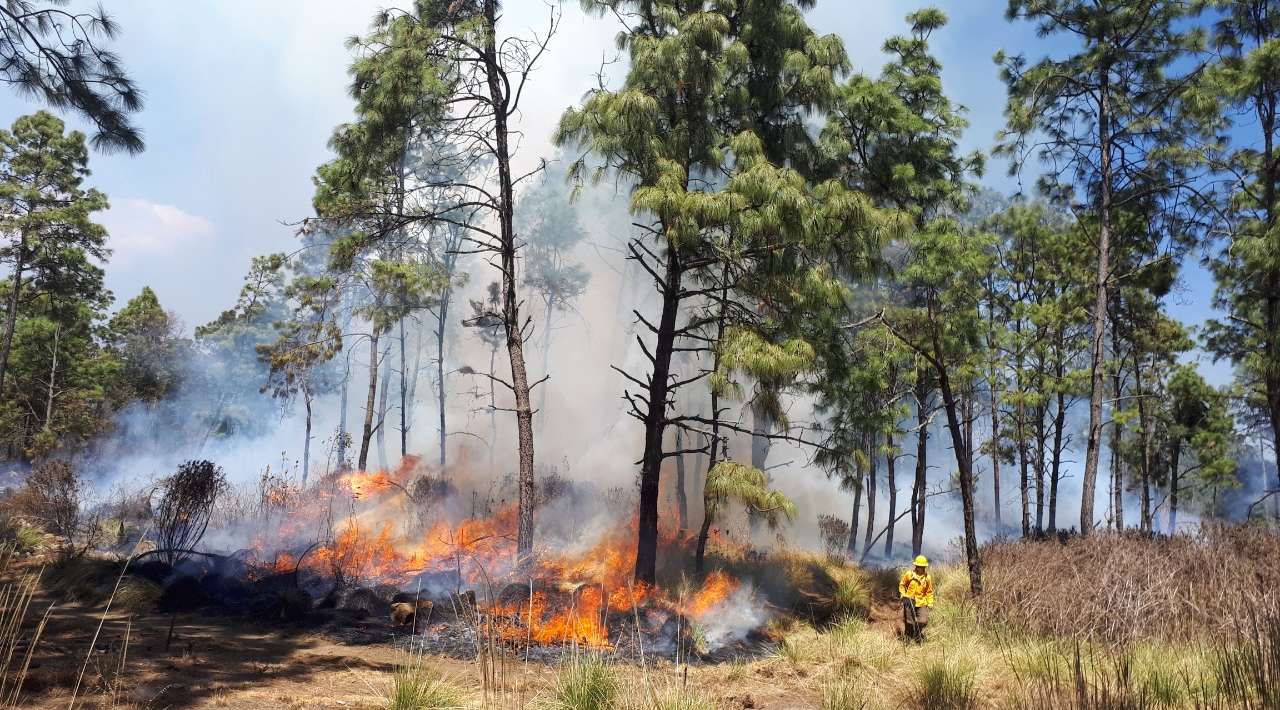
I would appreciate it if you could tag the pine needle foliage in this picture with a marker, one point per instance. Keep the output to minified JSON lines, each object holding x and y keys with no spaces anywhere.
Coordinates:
{"x":732,"y":481}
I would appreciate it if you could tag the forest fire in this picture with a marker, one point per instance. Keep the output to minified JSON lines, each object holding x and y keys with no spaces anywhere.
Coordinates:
{"x":575,"y":593}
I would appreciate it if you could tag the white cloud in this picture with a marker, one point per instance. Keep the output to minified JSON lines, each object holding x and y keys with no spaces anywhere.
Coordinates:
{"x":140,"y":230}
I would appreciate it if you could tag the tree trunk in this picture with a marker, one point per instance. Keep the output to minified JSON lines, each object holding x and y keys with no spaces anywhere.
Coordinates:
{"x":1271,"y":334}
{"x":995,"y":453}
{"x":1117,"y":435}
{"x":1097,"y":352}
{"x":11,"y":317}
{"x":713,"y":446}
{"x":342,"y":417}
{"x":1144,"y":434}
{"x":1024,"y":492}
{"x":306,"y":441}
{"x":510,"y":304}
{"x":381,"y":427}
{"x":404,"y":396}
{"x":857,"y":512}
{"x":1174,"y":457}
{"x":53,"y":376}
{"x":1055,"y":470}
{"x":655,"y":423}
{"x":1038,"y":463}
{"x":872,"y":469}
{"x":918,"y":493}
{"x":964,"y":461}
{"x":682,"y":500}
{"x":370,"y":403}
{"x":892,"y":481}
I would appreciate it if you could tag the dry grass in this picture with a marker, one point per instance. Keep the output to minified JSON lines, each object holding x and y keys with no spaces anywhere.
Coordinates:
{"x":1125,"y":588}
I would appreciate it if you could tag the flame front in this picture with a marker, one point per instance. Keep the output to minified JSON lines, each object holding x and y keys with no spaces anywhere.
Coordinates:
{"x":571,"y":602}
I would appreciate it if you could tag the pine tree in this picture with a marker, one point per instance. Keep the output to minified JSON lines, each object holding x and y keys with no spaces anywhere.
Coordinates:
{"x":48,"y":234}
{"x":1246,"y":77}
{"x":1111,"y":124}
{"x":57,"y":56}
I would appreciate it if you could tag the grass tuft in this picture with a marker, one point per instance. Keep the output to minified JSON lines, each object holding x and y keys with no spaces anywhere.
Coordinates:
{"x":584,"y":683}
{"x":415,"y":687}
{"x":947,"y":686}
{"x":843,"y":694}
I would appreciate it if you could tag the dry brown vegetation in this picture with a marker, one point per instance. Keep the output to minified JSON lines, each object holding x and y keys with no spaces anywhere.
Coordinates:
{"x":1123,"y":588}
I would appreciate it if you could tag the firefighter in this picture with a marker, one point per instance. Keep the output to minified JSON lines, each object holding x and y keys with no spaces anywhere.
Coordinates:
{"x":916,"y":590}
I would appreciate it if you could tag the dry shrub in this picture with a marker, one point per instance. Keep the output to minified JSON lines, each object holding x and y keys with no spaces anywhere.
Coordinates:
{"x":1125,"y":587}
{"x":834,"y":533}
{"x":185,"y":506}
{"x":51,"y":498}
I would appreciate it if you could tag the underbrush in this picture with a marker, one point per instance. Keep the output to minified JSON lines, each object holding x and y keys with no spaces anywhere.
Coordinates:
{"x":585,"y":682}
{"x":1122,"y":588}
{"x":415,"y":686}
{"x":812,"y":586}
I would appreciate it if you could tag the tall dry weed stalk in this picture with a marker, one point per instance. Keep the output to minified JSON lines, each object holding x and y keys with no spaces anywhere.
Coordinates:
{"x":16,"y":647}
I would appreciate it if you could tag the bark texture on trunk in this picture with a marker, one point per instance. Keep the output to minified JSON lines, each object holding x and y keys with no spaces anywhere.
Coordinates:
{"x":964,"y":462}
{"x":655,"y":422}
{"x":510,"y":303}
{"x":1097,"y":352}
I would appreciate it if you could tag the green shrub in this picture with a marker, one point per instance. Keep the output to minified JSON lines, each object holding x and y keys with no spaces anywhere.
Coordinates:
{"x":584,"y":683}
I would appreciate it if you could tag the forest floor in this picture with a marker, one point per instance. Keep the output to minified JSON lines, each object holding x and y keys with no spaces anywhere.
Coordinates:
{"x":219,"y":663}
{"x":856,"y":662}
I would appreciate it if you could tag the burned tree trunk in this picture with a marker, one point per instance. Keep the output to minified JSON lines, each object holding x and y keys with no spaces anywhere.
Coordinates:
{"x":655,"y":423}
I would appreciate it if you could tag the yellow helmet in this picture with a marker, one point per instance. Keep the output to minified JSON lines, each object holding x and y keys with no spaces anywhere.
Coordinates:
{"x":922,"y":561}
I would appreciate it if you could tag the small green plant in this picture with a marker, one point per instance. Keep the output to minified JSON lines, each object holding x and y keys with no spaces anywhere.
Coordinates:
{"x":415,"y":687}
{"x":947,"y":686}
{"x":698,"y":639}
{"x":584,"y":683}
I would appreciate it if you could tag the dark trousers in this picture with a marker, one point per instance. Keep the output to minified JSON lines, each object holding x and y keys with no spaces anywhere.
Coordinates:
{"x":914,"y":619}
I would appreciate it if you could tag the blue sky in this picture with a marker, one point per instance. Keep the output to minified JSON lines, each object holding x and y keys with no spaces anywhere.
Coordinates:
{"x":242,"y":97}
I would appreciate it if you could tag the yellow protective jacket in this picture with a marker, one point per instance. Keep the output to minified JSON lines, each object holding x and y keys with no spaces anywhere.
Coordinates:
{"x":917,"y":586}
